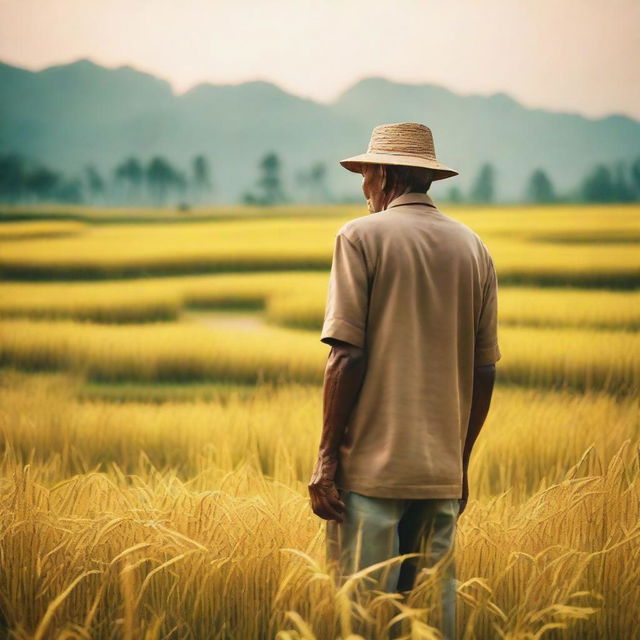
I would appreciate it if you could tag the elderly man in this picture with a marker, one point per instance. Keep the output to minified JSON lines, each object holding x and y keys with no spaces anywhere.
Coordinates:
{"x":411,"y":318}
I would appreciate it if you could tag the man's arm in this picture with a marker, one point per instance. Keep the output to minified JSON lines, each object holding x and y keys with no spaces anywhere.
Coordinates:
{"x":483,"y":380}
{"x":344,"y":374}
{"x":344,"y":328}
{"x":486,"y":354}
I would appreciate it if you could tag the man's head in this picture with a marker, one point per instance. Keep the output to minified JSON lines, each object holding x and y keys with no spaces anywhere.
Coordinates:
{"x":381,"y":183}
{"x":411,"y":146}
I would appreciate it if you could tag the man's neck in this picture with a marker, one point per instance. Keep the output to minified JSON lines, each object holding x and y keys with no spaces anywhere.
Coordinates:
{"x":392,"y":195}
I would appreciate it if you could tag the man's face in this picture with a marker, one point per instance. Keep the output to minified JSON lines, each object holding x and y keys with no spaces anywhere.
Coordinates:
{"x":372,"y":185}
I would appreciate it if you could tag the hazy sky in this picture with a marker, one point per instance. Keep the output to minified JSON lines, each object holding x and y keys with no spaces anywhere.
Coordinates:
{"x":565,"y":55}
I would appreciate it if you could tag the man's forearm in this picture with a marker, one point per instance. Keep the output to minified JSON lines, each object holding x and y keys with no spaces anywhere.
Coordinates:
{"x":483,"y":380}
{"x":343,"y":379}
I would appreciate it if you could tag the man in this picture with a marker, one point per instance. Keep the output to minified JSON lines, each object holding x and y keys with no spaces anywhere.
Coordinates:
{"x":411,"y":318}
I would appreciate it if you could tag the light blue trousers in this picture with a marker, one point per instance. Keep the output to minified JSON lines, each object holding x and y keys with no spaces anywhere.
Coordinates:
{"x":376,"y":529}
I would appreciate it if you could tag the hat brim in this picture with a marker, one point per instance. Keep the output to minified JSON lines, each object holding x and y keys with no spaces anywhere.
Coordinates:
{"x":355,"y":163}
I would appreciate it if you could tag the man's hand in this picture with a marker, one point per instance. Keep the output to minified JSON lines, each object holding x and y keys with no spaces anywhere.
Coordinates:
{"x":343,"y":379}
{"x":325,"y":499}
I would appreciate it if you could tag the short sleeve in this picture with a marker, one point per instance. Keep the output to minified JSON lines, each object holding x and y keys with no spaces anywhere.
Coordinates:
{"x":346,"y":309}
{"x":487,"y":350}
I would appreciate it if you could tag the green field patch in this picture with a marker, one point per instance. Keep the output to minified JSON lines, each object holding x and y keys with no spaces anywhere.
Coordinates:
{"x":590,"y":237}
{"x":212,"y":300}
{"x":155,"y":393}
{"x":159,"y":215}
{"x":616,"y":280}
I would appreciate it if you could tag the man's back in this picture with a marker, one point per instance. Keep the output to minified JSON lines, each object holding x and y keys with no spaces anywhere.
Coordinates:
{"x":418,"y":290}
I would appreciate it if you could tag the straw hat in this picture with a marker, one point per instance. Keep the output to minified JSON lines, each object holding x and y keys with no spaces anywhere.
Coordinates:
{"x":403,"y":143}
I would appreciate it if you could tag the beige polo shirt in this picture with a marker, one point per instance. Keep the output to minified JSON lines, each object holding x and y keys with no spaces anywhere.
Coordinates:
{"x":418,"y":290}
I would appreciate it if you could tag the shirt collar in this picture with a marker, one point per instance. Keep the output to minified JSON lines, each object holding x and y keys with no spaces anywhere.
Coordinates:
{"x":412,"y":198}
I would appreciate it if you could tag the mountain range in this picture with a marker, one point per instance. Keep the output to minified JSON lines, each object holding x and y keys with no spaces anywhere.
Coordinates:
{"x":72,"y":115}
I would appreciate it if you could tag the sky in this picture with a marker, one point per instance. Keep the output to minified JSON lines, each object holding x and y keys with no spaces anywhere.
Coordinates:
{"x":562,"y":55}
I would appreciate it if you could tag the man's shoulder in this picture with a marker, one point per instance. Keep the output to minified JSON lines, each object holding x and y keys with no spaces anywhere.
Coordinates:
{"x":354,"y":229}
{"x":369,"y":226}
{"x":464,"y":231}
{"x":468,"y":232}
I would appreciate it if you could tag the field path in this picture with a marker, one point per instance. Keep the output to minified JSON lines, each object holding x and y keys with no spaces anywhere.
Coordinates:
{"x":213,"y":318}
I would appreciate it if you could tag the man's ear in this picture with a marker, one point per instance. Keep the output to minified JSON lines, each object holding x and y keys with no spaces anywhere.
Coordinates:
{"x":383,"y":177}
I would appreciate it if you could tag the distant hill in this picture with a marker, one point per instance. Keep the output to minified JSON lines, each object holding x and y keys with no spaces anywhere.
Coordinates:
{"x":70,"y":115}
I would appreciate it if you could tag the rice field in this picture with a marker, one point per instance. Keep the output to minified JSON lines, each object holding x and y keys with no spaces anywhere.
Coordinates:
{"x":160,"y":408}
{"x":176,"y":352}
{"x":523,"y":255}
{"x":289,"y":298}
{"x":45,"y":229}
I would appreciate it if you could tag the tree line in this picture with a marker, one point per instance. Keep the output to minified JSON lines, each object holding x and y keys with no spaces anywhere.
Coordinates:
{"x":158,"y":182}
{"x":603,"y":183}
{"x":132,"y":181}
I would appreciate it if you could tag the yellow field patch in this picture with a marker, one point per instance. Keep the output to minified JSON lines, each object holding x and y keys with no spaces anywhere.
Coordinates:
{"x":280,"y":426}
{"x":295,"y":299}
{"x":162,"y":517}
{"x":187,"y":512}
{"x":181,"y":352}
{"x":299,"y":242}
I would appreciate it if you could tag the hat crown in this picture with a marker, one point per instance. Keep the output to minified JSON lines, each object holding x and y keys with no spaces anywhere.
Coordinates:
{"x":403,"y":138}
{"x":401,"y":143}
